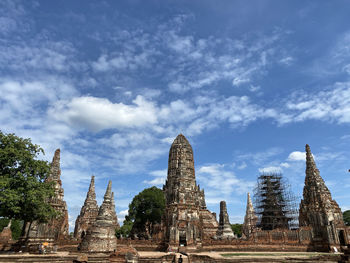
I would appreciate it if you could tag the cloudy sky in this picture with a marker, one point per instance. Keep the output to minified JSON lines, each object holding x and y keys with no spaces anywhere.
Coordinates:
{"x":112,"y":83}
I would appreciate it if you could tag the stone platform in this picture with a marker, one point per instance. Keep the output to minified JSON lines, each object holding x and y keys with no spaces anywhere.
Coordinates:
{"x":203,"y":257}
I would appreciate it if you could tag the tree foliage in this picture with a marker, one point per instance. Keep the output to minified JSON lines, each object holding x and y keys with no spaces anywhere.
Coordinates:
{"x":146,"y":209}
{"x":237,"y":229}
{"x":346,"y":217}
{"x":23,"y":190}
{"x":125,"y":229}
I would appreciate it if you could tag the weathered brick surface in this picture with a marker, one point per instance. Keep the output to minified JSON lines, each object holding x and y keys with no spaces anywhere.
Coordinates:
{"x":250,"y":219}
{"x":58,"y":228}
{"x":88,"y":212}
{"x":100,"y":236}
{"x":225,"y":230}
{"x":318,"y":209}
{"x":186,"y":218}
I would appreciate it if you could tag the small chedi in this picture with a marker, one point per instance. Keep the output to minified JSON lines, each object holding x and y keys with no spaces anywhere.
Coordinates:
{"x":250,"y":219}
{"x":187,"y":220}
{"x":225,"y":230}
{"x":6,"y":234}
{"x":56,"y":229}
{"x":88,"y":212}
{"x":318,"y":209}
{"x":100,"y":237}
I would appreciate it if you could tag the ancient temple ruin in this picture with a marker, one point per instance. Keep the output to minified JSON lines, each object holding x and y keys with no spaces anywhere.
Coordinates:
{"x":88,"y":212}
{"x":250,"y":219}
{"x":224,"y":230}
{"x":273,"y":203}
{"x":100,"y":237}
{"x":187,"y":220}
{"x":58,"y":228}
{"x":318,"y":209}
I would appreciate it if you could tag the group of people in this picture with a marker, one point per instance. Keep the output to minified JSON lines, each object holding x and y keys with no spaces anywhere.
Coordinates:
{"x":44,"y":247}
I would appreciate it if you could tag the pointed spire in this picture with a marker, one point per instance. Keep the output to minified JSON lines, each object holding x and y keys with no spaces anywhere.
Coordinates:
{"x":317,"y":201}
{"x":250,"y":219}
{"x":9,"y":224}
{"x":100,"y":236}
{"x":91,"y":195}
{"x":108,"y":193}
{"x":310,"y":162}
{"x":88,"y":212}
{"x":249,"y":204}
{"x":55,"y":170}
{"x":106,"y":206}
{"x":313,"y":176}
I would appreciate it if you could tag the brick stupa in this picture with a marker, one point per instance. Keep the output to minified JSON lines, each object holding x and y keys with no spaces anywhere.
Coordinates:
{"x":100,"y":237}
{"x":88,"y":212}
{"x":225,"y":230}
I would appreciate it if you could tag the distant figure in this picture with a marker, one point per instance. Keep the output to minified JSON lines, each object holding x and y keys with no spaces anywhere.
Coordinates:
{"x":180,"y":259}
{"x":41,"y":248}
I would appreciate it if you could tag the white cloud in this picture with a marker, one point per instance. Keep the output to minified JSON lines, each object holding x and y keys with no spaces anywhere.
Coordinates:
{"x":271,"y":169}
{"x":99,"y":113}
{"x":242,"y":166}
{"x":297,"y":156}
{"x":216,"y":176}
{"x":159,"y":177}
{"x":285,"y":165}
{"x":332,"y":105}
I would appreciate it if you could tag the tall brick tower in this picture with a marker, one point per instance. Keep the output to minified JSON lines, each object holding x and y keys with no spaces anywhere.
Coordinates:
{"x":318,"y":209}
{"x":56,"y":229}
{"x":186,"y":221}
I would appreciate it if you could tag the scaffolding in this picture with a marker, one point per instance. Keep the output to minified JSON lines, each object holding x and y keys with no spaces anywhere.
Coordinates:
{"x":275,"y":204}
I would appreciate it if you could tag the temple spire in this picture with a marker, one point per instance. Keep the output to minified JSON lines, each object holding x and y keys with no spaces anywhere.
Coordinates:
{"x":88,"y":212}
{"x":313,"y":177}
{"x":91,"y":195}
{"x":55,"y":169}
{"x":100,"y":236}
{"x":317,"y":208}
{"x":250,"y":219}
{"x":108,"y":193}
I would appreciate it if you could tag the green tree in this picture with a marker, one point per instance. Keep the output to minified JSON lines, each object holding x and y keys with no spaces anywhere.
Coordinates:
{"x":146,"y":209}
{"x":125,"y":229}
{"x":237,"y":229}
{"x":346,"y":217}
{"x":23,"y":190}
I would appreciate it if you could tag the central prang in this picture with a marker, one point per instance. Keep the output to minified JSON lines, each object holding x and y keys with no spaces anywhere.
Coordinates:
{"x":187,"y":221}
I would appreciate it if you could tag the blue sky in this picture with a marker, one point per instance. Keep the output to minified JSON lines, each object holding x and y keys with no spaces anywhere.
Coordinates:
{"x":112,"y":83}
